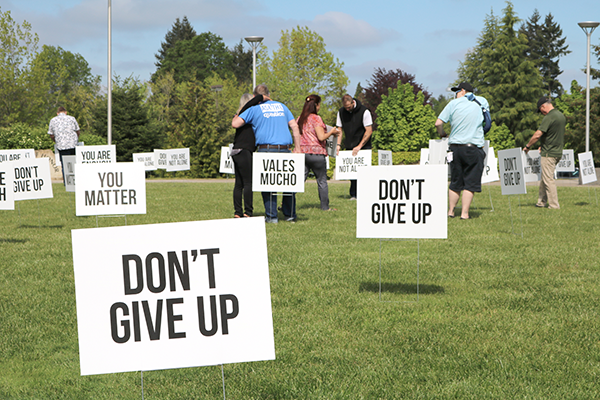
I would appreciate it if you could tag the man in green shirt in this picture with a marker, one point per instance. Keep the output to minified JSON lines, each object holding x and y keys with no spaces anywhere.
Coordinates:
{"x":551,"y":135}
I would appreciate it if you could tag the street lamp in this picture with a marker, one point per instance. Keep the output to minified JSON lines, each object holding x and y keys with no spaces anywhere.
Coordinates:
{"x":109,"y":92}
{"x":254,"y":41}
{"x":217,"y":88}
{"x":588,"y":27}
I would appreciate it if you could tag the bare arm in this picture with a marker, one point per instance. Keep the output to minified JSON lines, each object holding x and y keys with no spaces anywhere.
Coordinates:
{"x":536,"y":136}
{"x":296,"y":135}
{"x":366,"y":136}
{"x":439,"y":125}
{"x":237,"y":122}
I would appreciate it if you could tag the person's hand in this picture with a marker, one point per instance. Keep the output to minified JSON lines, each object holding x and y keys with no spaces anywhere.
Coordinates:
{"x":526,"y":149}
{"x":355,"y":151}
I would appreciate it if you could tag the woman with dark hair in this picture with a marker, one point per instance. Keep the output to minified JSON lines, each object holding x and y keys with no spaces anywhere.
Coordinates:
{"x":313,"y":133}
{"x":243,"y":147}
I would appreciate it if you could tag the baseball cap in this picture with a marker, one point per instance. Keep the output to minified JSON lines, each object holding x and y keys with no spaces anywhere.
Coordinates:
{"x":463,"y":85}
{"x":543,"y":100}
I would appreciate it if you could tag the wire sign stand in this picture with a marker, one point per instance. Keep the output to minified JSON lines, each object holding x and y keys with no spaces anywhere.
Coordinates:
{"x":380,"y":269}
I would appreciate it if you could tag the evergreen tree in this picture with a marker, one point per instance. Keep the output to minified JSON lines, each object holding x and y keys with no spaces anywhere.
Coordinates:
{"x":405,"y":122}
{"x":196,"y":59}
{"x":595,"y":73}
{"x":242,"y":63}
{"x":512,"y":83}
{"x":132,"y":129}
{"x":545,"y":47}
{"x":471,"y":70}
{"x":181,"y":30}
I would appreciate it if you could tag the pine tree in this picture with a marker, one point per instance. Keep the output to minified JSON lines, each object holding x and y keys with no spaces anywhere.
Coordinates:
{"x":471,"y":70}
{"x":512,"y":81}
{"x":545,"y":47}
{"x":181,"y":30}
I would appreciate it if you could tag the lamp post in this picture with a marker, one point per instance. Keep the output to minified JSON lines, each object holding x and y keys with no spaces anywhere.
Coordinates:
{"x":254,"y":41}
{"x":217,"y":88}
{"x":588,"y":27}
{"x":109,"y":93}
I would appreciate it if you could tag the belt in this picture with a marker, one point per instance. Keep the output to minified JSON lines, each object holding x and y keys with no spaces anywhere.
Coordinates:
{"x":274,"y":146}
{"x":465,"y":144}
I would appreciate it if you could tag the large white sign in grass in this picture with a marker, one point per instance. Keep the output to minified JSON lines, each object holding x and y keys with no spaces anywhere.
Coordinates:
{"x":177,"y":295}
{"x":173,"y":159}
{"x":438,"y":150}
{"x":96,"y":154}
{"x":277,"y":172}
{"x":226,"y":164}
{"x":402,"y":201}
{"x":32,"y":179}
{"x":490,"y":171}
{"x":7,"y":198}
{"x":347,"y":165}
{"x":69,"y":169}
{"x":586,"y":168}
{"x":511,"y":172}
{"x":110,"y":189}
{"x":16,"y":155}
{"x":148,"y":159}
{"x":532,"y":166}
{"x":384,"y":157}
{"x":567,"y":162}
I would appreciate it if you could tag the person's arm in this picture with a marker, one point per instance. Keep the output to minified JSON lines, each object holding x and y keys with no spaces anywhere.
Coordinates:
{"x":366,"y":137}
{"x":439,"y":125}
{"x":237,"y":122}
{"x":252,"y":102}
{"x":536,"y":136}
{"x":296,"y":135}
{"x":77,"y":132}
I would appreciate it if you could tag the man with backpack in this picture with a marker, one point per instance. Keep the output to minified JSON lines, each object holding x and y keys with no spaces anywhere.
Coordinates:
{"x":466,"y":115}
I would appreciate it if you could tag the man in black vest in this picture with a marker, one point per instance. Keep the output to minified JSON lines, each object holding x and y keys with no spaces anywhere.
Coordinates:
{"x":356,"y":122}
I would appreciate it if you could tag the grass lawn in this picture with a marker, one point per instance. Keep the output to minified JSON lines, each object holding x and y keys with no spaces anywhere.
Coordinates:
{"x":499,"y":316}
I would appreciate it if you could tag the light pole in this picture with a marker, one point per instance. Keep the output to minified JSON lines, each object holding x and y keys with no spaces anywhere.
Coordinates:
{"x":588,"y":27}
{"x":217,"y":88}
{"x":254,"y":41}
{"x":109,"y":94}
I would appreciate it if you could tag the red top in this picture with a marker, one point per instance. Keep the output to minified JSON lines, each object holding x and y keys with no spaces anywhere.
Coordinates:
{"x":309,"y":142}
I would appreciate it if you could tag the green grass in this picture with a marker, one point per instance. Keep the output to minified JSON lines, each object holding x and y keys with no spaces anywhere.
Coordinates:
{"x":498,"y":316}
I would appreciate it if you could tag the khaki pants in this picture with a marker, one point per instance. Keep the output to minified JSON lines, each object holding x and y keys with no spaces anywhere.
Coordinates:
{"x":547,"y":193}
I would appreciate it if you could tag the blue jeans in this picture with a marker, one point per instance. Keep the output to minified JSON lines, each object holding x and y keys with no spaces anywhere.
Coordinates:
{"x":288,"y":205}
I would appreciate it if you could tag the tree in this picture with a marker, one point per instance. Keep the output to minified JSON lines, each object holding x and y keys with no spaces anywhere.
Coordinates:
{"x":181,"y":30}
{"x":302,"y":66}
{"x":65,"y":80}
{"x":511,"y":82}
{"x":545,"y":47}
{"x":500,"y":137}
{"x":18,"y":89}
{"x":406,"y":123}
{"x":193,"y":124}
{"x":595,"y":73}
{"x":132,"y":129}
{"x":242,"y":63}
{"x":196,"y":59}
{"x":471,"y":70}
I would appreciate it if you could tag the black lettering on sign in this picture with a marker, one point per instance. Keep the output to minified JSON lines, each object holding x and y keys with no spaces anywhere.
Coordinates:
{"x":224,"y":314}
{"x":178,"y":270}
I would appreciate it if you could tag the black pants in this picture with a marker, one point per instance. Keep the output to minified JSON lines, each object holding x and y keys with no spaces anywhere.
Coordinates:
{"x":243,"y":183}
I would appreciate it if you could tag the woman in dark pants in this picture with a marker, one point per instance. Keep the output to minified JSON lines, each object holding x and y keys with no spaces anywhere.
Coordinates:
{"x":313,"y":135}
{"x":243,"y":147}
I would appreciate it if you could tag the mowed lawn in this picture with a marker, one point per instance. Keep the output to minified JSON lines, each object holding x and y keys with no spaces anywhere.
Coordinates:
{"x":499,"y":315}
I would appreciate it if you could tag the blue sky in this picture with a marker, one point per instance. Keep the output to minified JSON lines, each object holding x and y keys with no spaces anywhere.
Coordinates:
{"x":426,"y":38}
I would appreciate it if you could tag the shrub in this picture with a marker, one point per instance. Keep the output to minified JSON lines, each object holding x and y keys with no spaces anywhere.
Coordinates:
{"x":23,"y":136}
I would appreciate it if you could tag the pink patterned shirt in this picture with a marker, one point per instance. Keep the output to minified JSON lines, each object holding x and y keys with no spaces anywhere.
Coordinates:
{"x":309,"y":143}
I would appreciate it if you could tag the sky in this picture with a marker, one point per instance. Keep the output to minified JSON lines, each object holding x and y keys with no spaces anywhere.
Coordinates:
{"x":426,"y":38}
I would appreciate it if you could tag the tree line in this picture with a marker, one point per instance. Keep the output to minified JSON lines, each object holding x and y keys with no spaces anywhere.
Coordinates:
{"x":195,"y":90}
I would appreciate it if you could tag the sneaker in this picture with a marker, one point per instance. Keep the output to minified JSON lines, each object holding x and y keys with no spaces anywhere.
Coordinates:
{"x":352,"y":198}
{"x":270,"y":220}
{"x":540,"y":205}
{"x":290,"y":219}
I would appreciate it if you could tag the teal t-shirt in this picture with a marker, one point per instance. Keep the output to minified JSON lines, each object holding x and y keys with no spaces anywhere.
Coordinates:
{"x":553,"y":139}
{"x":466,"y":119}
{"x":270,"y":123}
